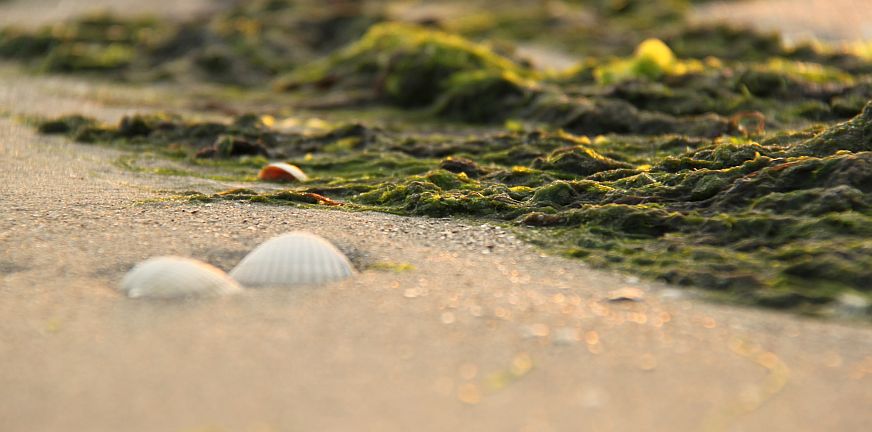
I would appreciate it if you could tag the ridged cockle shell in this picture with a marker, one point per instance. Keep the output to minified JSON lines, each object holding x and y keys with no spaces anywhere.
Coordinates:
{"x":173,"y":277}
{"x":296,"y":258}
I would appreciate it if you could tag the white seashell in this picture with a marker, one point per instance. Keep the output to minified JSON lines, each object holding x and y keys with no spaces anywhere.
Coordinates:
{"x":295,"y":258}
{"x":172,"y":277}
{"x":281,"y":171}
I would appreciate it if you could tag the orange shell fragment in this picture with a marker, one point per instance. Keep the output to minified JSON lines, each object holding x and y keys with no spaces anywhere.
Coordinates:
{"x":282,"y":172}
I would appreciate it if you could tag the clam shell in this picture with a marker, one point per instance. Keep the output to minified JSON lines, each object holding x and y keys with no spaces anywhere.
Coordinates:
{"x":281,"y":171}
{"x":173,"y":277}
{"x":296,"y":258}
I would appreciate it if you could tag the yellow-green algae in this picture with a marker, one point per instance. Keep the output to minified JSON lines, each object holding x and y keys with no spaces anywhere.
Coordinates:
{"x":652,"y":92}
{"x":244,"y":45}
{"x":783,"y":221}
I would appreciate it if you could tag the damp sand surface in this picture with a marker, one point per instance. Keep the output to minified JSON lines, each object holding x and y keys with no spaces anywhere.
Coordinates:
{"x":32,"y":13}
{"x":797,"y":20}
{"x":450,"y":325}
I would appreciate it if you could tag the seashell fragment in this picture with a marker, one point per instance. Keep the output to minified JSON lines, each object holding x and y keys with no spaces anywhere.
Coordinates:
{"x":626,"y":294}
{"x":282,"y":172}
{"x":296,"y":258}
{"x":174,"y":277}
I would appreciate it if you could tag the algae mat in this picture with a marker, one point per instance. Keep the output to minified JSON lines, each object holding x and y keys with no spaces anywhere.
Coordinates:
{"x":712,"y":157}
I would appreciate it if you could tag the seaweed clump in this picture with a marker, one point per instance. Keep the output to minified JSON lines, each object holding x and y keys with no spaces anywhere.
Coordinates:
{"x":245,"y":45}
{"x":783,"y":222}
{"x":403,"y":64}
{"x":95,"y":43}
{"x":652,"y":92}
{"x":710,"y":157}
{"x":247,"y":136}
{"x":783,"y":225}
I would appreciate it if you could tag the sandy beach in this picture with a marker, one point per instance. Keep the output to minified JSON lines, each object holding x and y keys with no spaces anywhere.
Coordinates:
{"x":449,"y":325}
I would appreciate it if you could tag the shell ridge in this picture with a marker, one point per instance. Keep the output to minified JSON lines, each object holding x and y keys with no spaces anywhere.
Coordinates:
{"x":292,"y":259}
{"x":172,"y":277}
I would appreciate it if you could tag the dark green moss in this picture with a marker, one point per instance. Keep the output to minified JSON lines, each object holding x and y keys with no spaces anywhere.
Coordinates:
{"x":483,"y":96}
{"x":65,"y":125}
{"x":408,"y":66}
{"x":726,"y":42}
{"x":577,"y":160}
{"x":243,"y":45}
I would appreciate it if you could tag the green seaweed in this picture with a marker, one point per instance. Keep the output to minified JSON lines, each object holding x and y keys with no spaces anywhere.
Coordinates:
{"x":754,"y":221}
{"x":708,"y":156}
{"x":244,"y":45}
{"x":404,"y":65}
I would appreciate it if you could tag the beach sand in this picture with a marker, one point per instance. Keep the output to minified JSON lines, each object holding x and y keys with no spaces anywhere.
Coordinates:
{"x":481,"y":331}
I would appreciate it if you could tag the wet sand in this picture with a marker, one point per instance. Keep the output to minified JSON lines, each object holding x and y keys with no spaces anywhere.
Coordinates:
{"x":484,"y":333}
{"x":796,"y":20}
{"x":41,"y":12}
